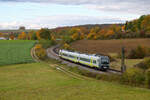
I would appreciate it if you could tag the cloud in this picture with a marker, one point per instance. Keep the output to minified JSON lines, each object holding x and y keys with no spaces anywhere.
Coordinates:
{"x":58,"y":21}
{"x":124,"y":6}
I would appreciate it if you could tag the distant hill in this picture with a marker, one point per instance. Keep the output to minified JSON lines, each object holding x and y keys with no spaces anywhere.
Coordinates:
{"x":89,"y":26}
{"x":15,"y":31}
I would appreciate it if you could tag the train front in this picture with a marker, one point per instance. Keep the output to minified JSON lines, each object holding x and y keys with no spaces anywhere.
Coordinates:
{"x":104,"y":62}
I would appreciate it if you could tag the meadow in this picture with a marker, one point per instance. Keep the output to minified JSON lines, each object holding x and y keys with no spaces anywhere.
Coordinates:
{"x":15,"y":51}
{"x":40,"y":81}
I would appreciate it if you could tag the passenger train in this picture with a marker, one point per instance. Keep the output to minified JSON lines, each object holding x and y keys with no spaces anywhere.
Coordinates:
{"x":97,"y":61}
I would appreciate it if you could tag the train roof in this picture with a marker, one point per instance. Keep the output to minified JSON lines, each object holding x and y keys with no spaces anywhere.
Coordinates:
{"x":83,"y":54}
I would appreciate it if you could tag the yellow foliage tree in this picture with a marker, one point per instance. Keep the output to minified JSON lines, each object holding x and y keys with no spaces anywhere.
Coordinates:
{"x":109,"y":33}
{"x":93,"y":33}
{"x":30,"y":35}
{"x":66,"y":46}
{"x":22,"y":36}
{"x":53,"y":37}
{"x":82,"y":36}
{"x":38,"y":35}
{"x":75,"y":36}
{"x":40,"y":51}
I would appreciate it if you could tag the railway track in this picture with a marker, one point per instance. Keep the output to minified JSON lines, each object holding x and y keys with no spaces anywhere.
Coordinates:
{"x":53,"y":53}
{"x":65,"y":71}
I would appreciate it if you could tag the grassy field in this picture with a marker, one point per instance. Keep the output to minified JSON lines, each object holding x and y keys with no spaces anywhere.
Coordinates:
{"x":40,"y":81}
{"x":15,"y":51}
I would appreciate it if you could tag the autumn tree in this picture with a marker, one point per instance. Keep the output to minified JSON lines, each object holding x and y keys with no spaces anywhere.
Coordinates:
{"x":145,"y":25}
{"x":22,"y":36}
{"x":32,"y":35}
{"x":1,"y":34}
{"x":44,"y":33}
{"x":93,"y":33}
{"x":109,"y":32}
{"x":12,"y":37}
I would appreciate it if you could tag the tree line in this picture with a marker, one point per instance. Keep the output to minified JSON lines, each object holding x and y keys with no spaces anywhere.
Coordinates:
{"x":138,"y":28}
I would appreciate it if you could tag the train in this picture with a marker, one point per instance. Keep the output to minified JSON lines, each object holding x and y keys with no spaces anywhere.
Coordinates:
{"x":92,"y":60}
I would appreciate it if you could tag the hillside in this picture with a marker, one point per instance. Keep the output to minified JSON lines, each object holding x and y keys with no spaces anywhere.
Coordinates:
{"x":15,"y":31}
{"x":40,"y":81}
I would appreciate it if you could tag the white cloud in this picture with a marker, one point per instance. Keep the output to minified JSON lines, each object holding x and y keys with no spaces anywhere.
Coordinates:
{"x":125,"y":6}
{"x":59,"y":20}
{"x":120,"y":8}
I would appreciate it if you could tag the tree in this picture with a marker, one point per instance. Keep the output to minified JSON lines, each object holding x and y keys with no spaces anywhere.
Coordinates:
{"x":44,"y":33}
{"x":75,"y":36}
{"x":110,"y":33}
{"x":1,"y":34}
{"x":22,"y":28}
{"x":32,"y":35}
{"x":140,"y":22}
{"x":145,"y":25}
{"x":93,"y":33}
{"x":22,"y":36}
{"x":12,"y":37}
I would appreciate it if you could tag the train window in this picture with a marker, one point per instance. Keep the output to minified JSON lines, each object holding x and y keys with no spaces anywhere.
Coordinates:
{"x":94,"y":61}
{"x":71,"y":56}
{"x":85,"y":59}
{"x":65,"y":54}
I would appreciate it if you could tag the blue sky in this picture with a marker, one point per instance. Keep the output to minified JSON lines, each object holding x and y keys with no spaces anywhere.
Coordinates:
{"x":56,"y":13}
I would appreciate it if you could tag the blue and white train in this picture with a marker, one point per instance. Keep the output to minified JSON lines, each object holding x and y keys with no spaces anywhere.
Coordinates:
{"x":97,"y":61}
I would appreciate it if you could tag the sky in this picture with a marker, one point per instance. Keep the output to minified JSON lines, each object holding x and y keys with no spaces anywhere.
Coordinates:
{"x":36,"y":14}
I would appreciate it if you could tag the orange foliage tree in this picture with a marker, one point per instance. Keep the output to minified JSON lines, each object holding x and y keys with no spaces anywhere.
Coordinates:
{"x":1,"y":34}
{"x":30,"y":35}
{"x":93,"y":33}
{"x":22,"y":36}
{"x":12,"y":37}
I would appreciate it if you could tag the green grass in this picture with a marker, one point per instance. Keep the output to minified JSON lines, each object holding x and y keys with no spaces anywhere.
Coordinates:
{"x":15,"y":51}
{"x":128,"y":62}
{"x":39,"y":81}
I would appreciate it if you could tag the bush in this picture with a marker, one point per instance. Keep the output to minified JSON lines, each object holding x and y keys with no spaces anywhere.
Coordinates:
{"x":134,"y":76}
{"x":145,"y":64}
{"x":40,"y":52}
{"x":46,"y":43}
{"x":148,"y":78}
{"x":138,"y":53}
{"x":111,"y":58}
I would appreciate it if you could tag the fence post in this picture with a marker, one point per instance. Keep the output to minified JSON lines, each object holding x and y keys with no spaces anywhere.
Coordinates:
{"x":123,"y":67}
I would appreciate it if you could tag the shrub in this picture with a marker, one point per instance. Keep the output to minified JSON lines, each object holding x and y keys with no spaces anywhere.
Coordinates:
{"x":40,"y":51}
{"x":145,"y":64}
{"x":132,"y":54}
{"x":141,"y":65}
{"x":148,"y":78}
{"x":134,"y":76}
{"x":138,"y":53}
{"x":46,"y":43}
{"x":67,"y":47}
{"x":111,"y":58}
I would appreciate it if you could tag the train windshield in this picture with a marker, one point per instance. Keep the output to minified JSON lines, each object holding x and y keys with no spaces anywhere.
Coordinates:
{"x":104,"y":60}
